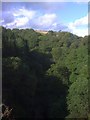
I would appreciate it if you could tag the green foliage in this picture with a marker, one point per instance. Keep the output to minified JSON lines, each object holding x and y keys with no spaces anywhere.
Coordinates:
{"x":57,"y":53}
{"x":60,"y":72}
{"x":45,"y":75}
{"x":78,"y":98}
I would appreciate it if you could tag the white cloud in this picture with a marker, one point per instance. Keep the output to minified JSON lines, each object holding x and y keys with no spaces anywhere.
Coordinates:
{"x":79,"y":26}
{"x":49,"y":22}
{"x":18,"y":22}
{"x":82,"y":21}
{"x":46,"y":20}
{"x":24,"y":12}
{"x":80,"y":32}
{"x":1,"y":21}
{"x":21,"y":18}
{"x":22,"y":21}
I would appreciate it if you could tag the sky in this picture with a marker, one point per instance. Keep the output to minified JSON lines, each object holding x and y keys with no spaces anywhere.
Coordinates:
{"x":64,"y":16}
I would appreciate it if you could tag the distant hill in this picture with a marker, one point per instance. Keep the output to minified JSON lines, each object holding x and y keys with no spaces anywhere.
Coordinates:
{"x":42,"y":31}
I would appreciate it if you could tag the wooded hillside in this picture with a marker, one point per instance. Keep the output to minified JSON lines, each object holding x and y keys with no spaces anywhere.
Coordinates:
{"x":45,"y":75}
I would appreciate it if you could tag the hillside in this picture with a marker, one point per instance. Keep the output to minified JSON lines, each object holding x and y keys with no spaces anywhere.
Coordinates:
{"x":41,"y":31}
{"x":45,"y":75}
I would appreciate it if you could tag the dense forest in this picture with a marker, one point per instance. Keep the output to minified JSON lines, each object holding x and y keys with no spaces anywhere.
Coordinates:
{"x":44,"y":75}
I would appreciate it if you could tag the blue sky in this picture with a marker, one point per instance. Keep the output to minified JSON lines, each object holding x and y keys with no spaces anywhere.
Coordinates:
{"x":65,"y":16}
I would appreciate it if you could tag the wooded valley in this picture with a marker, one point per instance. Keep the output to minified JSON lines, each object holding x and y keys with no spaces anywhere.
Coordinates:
{"x":45,"y":75}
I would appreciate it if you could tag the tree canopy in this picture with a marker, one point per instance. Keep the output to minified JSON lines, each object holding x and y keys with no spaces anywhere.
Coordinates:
{"x":45,"y":75}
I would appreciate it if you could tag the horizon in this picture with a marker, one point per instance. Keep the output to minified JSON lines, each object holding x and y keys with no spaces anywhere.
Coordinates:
{"x":69,"y":17}
{"x":40,"y":31}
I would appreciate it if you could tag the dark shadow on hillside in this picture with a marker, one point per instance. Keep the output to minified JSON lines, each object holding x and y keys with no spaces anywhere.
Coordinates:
{"x":25,"y":87}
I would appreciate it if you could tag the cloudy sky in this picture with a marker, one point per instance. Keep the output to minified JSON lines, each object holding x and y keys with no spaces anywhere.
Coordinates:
{"x":65,"y":16}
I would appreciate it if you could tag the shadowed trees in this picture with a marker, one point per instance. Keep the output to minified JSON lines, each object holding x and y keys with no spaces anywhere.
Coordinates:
{"x":45,"y":76}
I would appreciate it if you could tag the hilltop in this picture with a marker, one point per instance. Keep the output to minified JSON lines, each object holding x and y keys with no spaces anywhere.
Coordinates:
{"x":42,"y":31}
